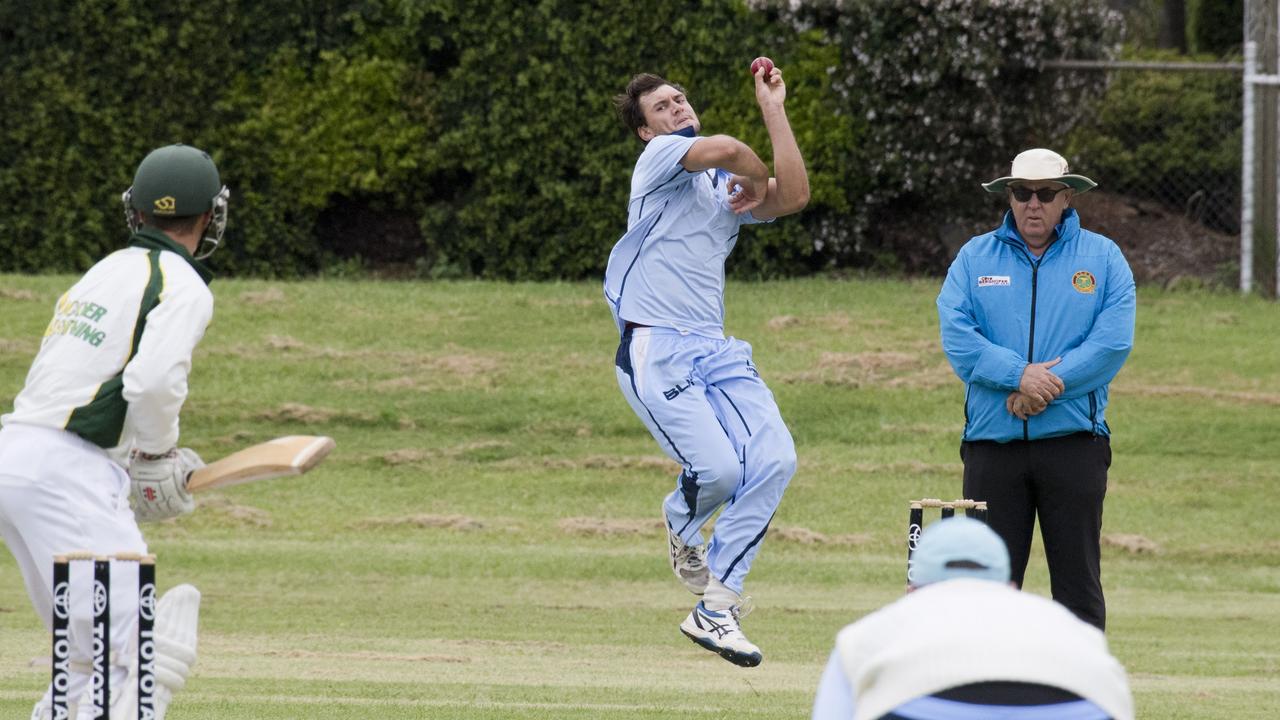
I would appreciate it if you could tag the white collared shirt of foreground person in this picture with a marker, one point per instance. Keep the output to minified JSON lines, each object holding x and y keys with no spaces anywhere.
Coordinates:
{"x":964,"y":644}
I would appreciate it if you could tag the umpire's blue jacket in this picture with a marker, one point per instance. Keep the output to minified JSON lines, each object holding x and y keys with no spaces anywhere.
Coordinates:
{"x":1001,"y":308}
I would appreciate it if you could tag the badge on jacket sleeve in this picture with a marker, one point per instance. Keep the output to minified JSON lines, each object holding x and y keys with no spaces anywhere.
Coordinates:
{"x":1083,"y":282}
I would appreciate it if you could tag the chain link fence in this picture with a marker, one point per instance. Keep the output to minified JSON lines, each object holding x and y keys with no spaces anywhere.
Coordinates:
{"x":1164,"y":146}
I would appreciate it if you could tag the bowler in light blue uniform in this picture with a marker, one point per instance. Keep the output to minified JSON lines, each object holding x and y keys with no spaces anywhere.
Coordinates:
{"x":696,"y":390}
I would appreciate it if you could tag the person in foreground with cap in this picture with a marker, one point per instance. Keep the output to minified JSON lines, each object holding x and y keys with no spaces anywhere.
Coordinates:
{"x":1037,"y":318}
{"x":965,"y":644}
{"x":96,"y":425}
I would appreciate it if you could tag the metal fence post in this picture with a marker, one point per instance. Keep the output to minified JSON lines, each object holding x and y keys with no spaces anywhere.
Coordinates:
{"x":1247,"y":169}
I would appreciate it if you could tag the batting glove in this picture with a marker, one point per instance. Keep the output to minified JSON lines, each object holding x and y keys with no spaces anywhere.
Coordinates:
{"x":159,"y":487}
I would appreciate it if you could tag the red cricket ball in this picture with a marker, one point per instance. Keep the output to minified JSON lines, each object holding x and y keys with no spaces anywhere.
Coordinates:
{"x":762,"y":62}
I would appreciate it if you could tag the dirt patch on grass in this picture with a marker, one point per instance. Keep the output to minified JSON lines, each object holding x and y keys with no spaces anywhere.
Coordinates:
{"x":17,"y":347}
{"x":921,"y":428}
{"x":1133,"y":544}
{"x":237,"y":438}
{"x":832,"y":322}
{"x":464,"y":366}
{"x":297,"y":412}
{"x":1242,"y":397}
{"x":597,"y":527}
{"x":564,"y":302}
{"x":450,"y":368}
{"x":805,"y":536}
{"x":844,"y":322}
{"x":17,"y":294}
{"x":420,"y":520}
{"x":782,"y":321}
{"x":930,"y":378}
{"x":409,"y":456}
{"x":366,"y":655}
{"x":911,"y":467}
{"x":305,"y":414}
{"x":445,"y":376}
{"x":270,"y":296}
{"x":882,"y":368}
{"x":456,"y":363}
{"x":875,"y":362}
{"x":284,"y":342}
{"x":393,"y":384}
{"x":418,"y":371}
{"x":612,"y":462}
{"x":227,"y":512}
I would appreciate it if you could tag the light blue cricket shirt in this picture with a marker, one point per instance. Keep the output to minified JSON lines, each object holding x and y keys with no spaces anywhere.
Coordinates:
{"x":668,"y":269}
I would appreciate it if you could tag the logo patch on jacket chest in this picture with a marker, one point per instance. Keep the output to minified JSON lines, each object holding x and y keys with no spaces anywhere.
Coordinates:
{"x":1084,"y":282}
{"x":993,"y":281}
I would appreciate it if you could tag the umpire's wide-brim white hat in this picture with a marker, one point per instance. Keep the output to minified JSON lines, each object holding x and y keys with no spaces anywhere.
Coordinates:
{"x":1040,"y":164}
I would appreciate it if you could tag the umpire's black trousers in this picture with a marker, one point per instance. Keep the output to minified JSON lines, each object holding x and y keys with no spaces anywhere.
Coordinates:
{"x":1063,"y":480}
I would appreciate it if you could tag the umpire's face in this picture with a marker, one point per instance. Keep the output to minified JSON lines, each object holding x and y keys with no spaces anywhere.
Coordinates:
{"x":666,"y":110}
{"x":1037,"y":209}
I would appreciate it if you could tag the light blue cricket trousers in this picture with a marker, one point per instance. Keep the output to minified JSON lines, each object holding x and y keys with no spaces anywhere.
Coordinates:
{"x":707,"y":407}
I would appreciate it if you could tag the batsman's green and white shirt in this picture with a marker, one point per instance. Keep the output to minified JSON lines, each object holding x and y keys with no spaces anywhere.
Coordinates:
{"x":113,"y":364}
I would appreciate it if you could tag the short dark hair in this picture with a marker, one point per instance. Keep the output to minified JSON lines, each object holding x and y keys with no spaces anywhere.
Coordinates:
{"x":184,"y":224}
{"x":628,"y":103}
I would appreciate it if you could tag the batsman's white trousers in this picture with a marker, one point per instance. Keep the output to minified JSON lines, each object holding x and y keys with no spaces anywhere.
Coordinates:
{"x":60,"y":493}
{"x":707,"y":407}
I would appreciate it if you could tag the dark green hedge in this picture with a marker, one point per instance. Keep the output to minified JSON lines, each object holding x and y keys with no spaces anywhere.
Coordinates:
{"x":949,"y":92}
{"x":1218,"y":26}
{"x":462,"y":138}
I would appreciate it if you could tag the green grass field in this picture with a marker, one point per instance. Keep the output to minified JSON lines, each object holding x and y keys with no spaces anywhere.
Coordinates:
{"x":485,"y":543}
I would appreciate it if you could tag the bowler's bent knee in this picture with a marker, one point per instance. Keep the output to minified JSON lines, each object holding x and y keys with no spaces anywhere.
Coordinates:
{"x":719,"y":481}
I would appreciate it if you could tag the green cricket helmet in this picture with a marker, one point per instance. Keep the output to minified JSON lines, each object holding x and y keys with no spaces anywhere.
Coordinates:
{"x":179,"y":181}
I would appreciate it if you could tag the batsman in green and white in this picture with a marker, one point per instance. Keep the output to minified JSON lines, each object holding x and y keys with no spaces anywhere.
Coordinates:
{"x":96,"y":426}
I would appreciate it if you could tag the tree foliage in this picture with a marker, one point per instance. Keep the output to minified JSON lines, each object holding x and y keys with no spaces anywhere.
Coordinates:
{"x":1218,"y":26}
{"x":950,"y":91}
{"x":478,"y":139}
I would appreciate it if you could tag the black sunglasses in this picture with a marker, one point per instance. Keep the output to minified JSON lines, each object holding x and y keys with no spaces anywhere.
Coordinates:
{"x":1046,"y":195}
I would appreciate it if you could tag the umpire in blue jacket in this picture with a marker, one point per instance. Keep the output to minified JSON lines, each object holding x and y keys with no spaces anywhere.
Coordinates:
{"x":1037,"y":317}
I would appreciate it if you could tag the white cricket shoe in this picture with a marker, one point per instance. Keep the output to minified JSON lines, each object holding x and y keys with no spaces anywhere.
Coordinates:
{"x":719,"y":632}
{"x":688,"y":562}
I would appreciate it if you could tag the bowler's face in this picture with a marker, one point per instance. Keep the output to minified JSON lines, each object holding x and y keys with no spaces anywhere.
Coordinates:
{"x":666,"y":110}
{"x":1035,"y":218}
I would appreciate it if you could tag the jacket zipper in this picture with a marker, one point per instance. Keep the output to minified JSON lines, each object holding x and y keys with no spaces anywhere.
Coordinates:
{"x":1031,"y":340}
{"x":1093,"y":412}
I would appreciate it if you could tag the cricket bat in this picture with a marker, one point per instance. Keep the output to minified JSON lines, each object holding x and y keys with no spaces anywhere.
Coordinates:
{"x":284,"y":456}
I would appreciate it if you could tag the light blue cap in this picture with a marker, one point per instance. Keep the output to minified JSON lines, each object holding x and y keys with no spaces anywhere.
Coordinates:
{"x":959,"y":547}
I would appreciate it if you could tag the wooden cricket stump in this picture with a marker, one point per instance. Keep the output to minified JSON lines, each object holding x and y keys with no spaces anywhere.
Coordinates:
{"x":976,"y":509}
